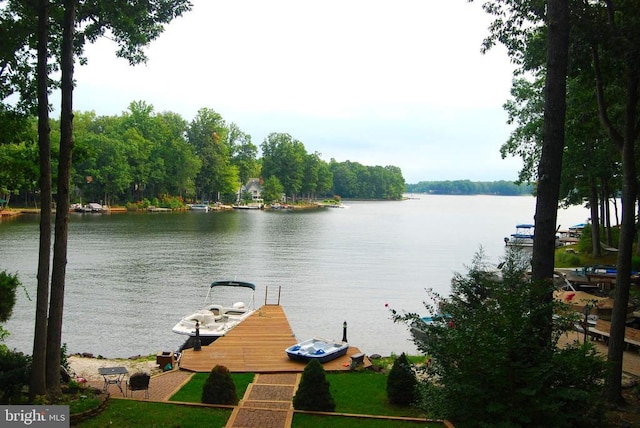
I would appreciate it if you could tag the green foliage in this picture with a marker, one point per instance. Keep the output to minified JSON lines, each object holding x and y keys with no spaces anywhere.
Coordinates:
{"x":401,"y":383}
{"x":353,"y":180}
{"x":585,"y":248}
{"x":64,"y":357}
{"x":15,"y":369}
{"x":490,"y":368}
{"x":173,"y":202}
{"x":272,"y":190}
{"x":313,"y":392}
{"x":192,"y":391}
{"x":564,"y":258}
{"x":8,"y":286}
{"x":83,"y":403}
{"x":467,"y":187}
{"x":141,"y":155}
{"x":284,"y":158}
{"x":585,"y":245}
{"x":219,"y":387}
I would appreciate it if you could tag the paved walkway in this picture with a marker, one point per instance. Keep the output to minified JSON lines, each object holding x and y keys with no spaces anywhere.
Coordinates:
{"x":161,"y":387}
{"x":267,"y":403}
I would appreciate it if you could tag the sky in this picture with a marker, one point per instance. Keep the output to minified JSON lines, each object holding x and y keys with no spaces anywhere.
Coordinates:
{"x":376,"y":82}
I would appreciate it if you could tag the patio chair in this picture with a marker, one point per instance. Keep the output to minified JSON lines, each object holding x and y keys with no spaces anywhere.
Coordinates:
{"x":138,"y":382}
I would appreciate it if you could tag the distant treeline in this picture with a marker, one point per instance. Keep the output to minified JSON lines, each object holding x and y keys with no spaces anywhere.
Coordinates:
{"x":466,"y":187}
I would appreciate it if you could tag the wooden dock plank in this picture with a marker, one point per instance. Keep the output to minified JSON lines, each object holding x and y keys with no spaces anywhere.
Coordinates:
{"x":257,"y":345}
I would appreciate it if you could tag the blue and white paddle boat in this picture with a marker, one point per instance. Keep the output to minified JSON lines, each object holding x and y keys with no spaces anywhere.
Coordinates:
{"x":321,"y":350}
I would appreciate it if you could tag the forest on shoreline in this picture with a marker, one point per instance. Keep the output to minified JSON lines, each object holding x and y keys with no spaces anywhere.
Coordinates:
{"x":467,"y":187}
{"x":144,"y":155}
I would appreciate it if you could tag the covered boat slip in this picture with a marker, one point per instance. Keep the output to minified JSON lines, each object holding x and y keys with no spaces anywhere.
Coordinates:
{"x":257,"y":345}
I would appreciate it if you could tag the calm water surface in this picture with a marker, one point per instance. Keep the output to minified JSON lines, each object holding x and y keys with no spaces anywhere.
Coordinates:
{"x":131,"y":277}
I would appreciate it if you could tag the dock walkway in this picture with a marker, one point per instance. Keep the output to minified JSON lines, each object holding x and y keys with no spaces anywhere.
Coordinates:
{"x":257,"y":345}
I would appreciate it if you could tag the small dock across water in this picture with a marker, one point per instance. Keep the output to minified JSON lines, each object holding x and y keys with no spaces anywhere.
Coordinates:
{"x":257,"y":345}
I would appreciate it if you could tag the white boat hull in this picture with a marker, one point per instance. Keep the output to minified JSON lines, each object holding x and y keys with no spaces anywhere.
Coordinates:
{"x":215,"y":320}
{"x":210,"y":325}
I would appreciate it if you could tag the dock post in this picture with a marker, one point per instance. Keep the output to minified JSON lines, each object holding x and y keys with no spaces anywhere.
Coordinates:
{"x":197,"y":346}
{"x":585,"y":311}
{"x":344,"y":331}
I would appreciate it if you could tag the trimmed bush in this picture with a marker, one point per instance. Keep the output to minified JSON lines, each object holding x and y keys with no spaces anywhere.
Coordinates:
{"x":313,"y":392}
{"x":401,"y":383}
{"x":219,"y":387}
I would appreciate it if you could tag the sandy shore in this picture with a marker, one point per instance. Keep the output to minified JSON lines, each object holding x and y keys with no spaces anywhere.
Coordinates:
{"x":87,"y":368}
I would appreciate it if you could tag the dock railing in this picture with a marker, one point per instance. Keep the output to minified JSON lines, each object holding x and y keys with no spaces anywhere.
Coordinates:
{"x":266,"y":295}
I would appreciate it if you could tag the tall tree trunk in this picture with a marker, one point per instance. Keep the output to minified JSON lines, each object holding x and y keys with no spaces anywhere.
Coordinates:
{"x":637,"y":231}
{"x":595,"y":222}
{"x":615,"y":210}
{"x":38,"y":384}
{"x":607,"y":210}
{"x":625,"y":247}
{"x":54,"y":331}
{"x":550,"y":167}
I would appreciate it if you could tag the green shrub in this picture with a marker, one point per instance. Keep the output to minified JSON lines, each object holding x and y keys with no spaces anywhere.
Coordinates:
{"x":567,"y":259}
{"x":492,"y":365}
{"x":401,"y":383}
{"x":15,"y":369}
{"x":8,"y":286}
{"x":313,"y":392}
{"x":585,"y":244}
{"x":219,"y":387}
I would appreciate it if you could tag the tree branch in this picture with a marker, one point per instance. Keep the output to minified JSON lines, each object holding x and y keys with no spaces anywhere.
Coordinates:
{"x":616,"y":137}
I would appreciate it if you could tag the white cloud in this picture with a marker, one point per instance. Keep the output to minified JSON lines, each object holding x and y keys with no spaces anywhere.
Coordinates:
{"x":377,"y":82}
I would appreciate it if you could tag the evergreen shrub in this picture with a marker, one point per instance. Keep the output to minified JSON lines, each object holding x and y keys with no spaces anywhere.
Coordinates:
{"x":219,"y":387}
{"x":401,"y":383}
{"x":313,"y":392}
{"x":494,"y":364}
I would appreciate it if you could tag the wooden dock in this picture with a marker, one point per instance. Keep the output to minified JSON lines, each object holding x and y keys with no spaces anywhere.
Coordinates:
{"x":257,"y":345}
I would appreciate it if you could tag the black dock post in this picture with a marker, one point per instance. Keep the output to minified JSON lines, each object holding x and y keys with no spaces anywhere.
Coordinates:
{"x":197,"y":346}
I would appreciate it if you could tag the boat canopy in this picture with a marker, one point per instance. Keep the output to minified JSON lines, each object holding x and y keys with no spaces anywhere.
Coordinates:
{"x":233,"y":284}
{"x":524,"y":226}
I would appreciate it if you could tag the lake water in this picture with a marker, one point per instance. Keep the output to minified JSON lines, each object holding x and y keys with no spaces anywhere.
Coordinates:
{"x":131,"y":277}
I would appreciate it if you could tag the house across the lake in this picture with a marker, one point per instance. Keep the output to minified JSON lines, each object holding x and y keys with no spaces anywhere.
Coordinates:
{"x":253,"y":187}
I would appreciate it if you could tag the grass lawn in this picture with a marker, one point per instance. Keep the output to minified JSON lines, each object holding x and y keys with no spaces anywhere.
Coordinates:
{"x":361,"y":392}
{"x":134,"y":414}
{"x":317,"y":421}
{"x":569,"y":256}
{"x":364,"y":393}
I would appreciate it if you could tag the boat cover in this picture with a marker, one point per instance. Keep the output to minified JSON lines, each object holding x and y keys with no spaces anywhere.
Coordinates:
{"x":233,"y":284}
